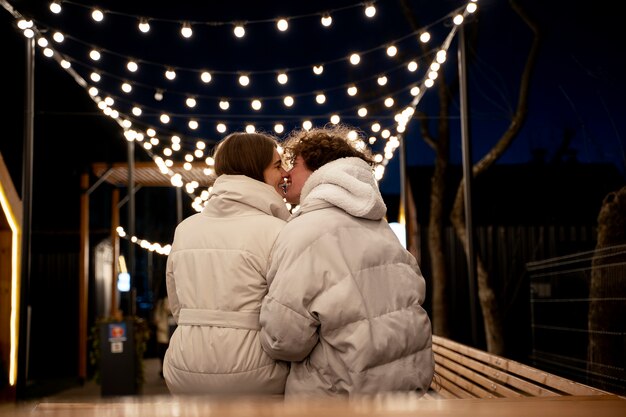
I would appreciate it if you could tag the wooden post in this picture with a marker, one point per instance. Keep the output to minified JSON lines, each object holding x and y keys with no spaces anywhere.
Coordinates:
{"x":115,"y":245}
{"x":83,"y":278}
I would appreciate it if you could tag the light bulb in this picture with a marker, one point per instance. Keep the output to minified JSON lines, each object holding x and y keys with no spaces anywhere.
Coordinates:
{"x":307,"y":125}
{"x":127,"y":88}
{"x":190,"y":102}
{"x":221,"y":127}
{"x":158,"y":95}
{"x":250,"y":129}
{"x":224,"y":105}
{"x":327,"y":20}
{"x":318,"y":69}
{"x":282,"y":78}
{"x":388,"y":102}
{"x":186,"y":30}
{"x":95,"y":55}
{"x":352,"y":90}
{"x":205,"y":77}
{"x":136,"y":111}
{"x":97,"y":15}
{"x":256,"y":104}
{"x":244,"y":80}
{"x":279,"y":128}
{"x":382,"y":80}
{"x":424,"y":37}
{"x":362,"y":112}
{"x":65,"y":64}
{"x":392,"y":50}
{"x":412,"y":66}
{"x":320,"y":98}
{"x":132,"y":66}
{"x":458,"y":19}
{"x":55,"y":7}
{"x":58,"y":37}
{"x":170,"y":74}
{"x":193,"y":124}
{"x":282,"y":25}
{"x":334,"y":119}
{"x":95,"y":77}
{"x":239,"y":31}
{"x":370,"y":10}
{"x":355,"y":59}
{"x":288,"y":101}
{"x":144,"y":26}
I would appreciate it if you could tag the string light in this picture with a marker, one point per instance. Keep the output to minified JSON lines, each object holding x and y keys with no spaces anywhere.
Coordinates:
{"x":205,"y":77}
{"x":239,"y":31}
{"x":370,"y":10}
{"x":55,"y":7}
{"x":355,"y":59}
{"x":186,"y":30}
{"x":318,"y":69}
{"x":132,"y":66}
{"x":244,"y":80}
{"x":58,"y":37}
{"x":282,"y":25}
{"x":144,"y":25}
{"x":362,"y":111}
{"x":327,"y":20}
{"x":282,"y":78}
{"x":97,"y":15}
{"x":190,"y":102}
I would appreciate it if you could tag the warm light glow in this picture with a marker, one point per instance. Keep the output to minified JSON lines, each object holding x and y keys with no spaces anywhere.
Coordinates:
{"x":144,"y":26}
{"x":458,"y":19}
{"x":362,"y":112}
{"x":250,"y":129}
{"x":429,"y":83}
{"x":352,"y":90}
{"x":256,"y":104}
{"x":307,"y":125}
{"x":97,"y":15}
{"x":158,"y":95}
{"x":376,"y":127}
{"x":318,"y":69}
{"x":334,"y":119}
{"x":239,"y":31}
{"x":282,"y":25}
{"x":221,"y":127}
{"x":29,"y":33}
{"x":186,"y":30}
{"x":370,"y":10}
{"x":244,"y":80}
{"x":58,"y":37}
{"x":288,"y":101}
{"x":320,"y":98}
{"x":132,"y":66}
{"x":151,"y":132}
{"x":327,"y":20}
{"x":109,"y":101}
{"x":441,"y":56}
{"x":388,"y":102}
{"x":282,"y":78}
{"x":95,"y":55}
{"x":15,"y":289}
{"x":412,"y":66}
{"x":205,"y":77}
{"x":65,"y":64}
{"x":224,"y":105}
{"x":392,"y":51}
{"x":48,"y":52}
{"x":136,"y":111}
{"x":43,"y":42}
{"x":279,"y":128}
{"x":193,"y":124}
{"x":355,"y":59}
{"x":382,"y":80}
{"x":24,"y":24}
{"x":95,"y":77}
{"x":415,"y":91}
{"x":170,"y":74}
{"x":55,"y":7}
{"x":93,"y":91}
{"x":471,"y":7}
{"x":424,"y":37}
{"x":190,"y":102}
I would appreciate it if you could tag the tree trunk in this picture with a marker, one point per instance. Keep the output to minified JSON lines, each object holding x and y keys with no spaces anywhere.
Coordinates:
{"x":487,"y":297}
{"x":608,"y":283}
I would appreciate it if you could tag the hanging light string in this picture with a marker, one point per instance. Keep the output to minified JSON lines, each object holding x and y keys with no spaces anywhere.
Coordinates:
{"x":177,"y":178}
{"x":145,"y":244}
{"x":56,"y":7}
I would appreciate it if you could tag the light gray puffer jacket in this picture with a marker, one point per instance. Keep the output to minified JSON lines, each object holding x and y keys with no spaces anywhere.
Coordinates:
{"x":344,"y":303}
{"x":215,"y":282}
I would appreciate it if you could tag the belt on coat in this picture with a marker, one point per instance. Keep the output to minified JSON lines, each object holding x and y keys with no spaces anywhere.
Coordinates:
{"x":237,"y":319}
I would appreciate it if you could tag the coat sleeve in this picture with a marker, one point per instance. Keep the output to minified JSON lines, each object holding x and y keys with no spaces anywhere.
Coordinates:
{"x":285,"y":333}
{"x":288,"y":330}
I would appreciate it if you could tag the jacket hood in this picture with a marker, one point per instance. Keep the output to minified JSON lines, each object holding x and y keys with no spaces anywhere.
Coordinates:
{"x":347,"y":183}
{"x":240,"y":189}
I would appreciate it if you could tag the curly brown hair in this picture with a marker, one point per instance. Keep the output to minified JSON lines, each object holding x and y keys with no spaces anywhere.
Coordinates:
{"x":320,"y":146}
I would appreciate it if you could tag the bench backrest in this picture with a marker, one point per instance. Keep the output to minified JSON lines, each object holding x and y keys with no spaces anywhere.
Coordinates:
{"x":464,"y":372}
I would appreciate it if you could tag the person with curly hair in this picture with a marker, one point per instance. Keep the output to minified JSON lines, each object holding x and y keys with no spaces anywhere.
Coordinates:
{"x":344,"y":304}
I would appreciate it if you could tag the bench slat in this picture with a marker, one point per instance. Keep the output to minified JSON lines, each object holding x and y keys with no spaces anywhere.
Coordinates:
{"x":496,"y":379}
{"x":460,"y":386}
{"x":495,"y":373}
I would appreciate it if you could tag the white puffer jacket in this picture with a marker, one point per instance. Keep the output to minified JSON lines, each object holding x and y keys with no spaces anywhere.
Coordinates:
{"x":344,"y":303}
{"x":215,"y":282}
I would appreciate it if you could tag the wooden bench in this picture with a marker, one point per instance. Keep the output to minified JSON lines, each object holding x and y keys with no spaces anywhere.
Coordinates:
{"x":464,"y":372}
